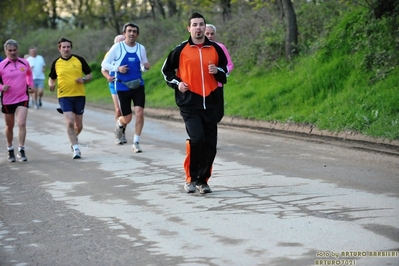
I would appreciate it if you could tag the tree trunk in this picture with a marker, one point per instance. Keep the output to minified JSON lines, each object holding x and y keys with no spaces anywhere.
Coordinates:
{"x":172,"y":8}
{"x":226,"y":9}
{"x":152,"y":4}
{"x":291,"y":35}
{"x":53,"y":17}
{"x":385,"y":8}
{"x":161,"y":9}
{"x":114,"y":20}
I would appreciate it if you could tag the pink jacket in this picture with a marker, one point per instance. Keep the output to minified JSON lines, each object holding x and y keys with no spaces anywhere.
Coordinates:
{"x":230,"y":64}
{"x":18,"y":75}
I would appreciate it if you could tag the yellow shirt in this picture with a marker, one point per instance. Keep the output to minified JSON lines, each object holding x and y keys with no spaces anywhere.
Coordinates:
{"x":67,"y":71}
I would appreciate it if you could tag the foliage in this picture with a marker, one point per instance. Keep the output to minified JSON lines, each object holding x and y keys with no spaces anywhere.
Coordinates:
{"x":374,"y":40}
{"x":313,"y":22}
{"x":91,"y":46}
{"x":345,"y":78}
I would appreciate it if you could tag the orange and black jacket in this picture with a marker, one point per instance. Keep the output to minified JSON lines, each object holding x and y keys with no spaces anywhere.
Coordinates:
{"x":189,"y":63}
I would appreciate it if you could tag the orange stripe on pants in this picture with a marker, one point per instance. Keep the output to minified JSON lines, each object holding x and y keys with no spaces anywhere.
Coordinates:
{"x":186,"y":164}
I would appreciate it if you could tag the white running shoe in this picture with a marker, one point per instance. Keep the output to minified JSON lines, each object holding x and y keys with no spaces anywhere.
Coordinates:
{"x":123,"y":138}
{"x":189,"y":187}
{"x":21,"y":155}
{"x":76,"y":154}
{"x":204,"y":188}
{"x":136,"y":147}
{"x":11,"y":156}
{"x":118,"y":130}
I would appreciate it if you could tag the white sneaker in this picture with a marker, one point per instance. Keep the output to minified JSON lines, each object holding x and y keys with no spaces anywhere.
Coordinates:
{"x":123,"y":138}
{"x":118,"y":130}
{"x":189,"y":187}
{"x":204,"y":188}
{"x":21,"y":155}
{"x":76,"y":154}
{"x":11,"y":156}
{"x":136,"y":147}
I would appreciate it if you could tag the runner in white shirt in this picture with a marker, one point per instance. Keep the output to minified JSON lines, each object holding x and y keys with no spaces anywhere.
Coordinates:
{"x":37,"y":65}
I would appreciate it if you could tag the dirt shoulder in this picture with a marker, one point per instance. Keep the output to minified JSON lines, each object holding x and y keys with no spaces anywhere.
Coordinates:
{"x":306,"y":132}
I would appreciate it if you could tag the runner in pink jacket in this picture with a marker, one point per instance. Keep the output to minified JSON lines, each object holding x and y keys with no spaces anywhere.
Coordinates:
{"x":16,"y":81}
{"x":210,"y":32}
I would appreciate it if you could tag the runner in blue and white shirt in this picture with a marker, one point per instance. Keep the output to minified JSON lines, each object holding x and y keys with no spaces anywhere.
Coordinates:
{"x":128,"y":59}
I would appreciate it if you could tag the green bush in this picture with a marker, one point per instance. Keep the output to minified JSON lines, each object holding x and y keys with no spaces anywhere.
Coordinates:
{"x":345,"y":78}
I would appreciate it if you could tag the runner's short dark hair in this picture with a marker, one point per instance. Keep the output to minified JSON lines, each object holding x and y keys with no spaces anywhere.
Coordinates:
{"x":131,"y":24}
{"x":63,"y":40}
{"x":195,"y":15}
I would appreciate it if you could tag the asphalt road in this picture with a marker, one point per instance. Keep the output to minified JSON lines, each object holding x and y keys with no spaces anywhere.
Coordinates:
{"x":277,"y":199}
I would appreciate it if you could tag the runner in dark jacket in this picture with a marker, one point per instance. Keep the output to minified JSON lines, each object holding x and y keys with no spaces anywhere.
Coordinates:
{"x":193,"y":69}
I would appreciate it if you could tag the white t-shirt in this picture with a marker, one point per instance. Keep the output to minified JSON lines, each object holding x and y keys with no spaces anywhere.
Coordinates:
{"x":37,"y":64}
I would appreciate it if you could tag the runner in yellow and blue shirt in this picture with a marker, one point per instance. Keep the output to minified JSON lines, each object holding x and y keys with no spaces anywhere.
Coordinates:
{"x":68,"y":70}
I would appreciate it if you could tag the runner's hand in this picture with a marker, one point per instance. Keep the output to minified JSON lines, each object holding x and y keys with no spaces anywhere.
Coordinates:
{"x":5,"y":88}
{"x":123,"y":69}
